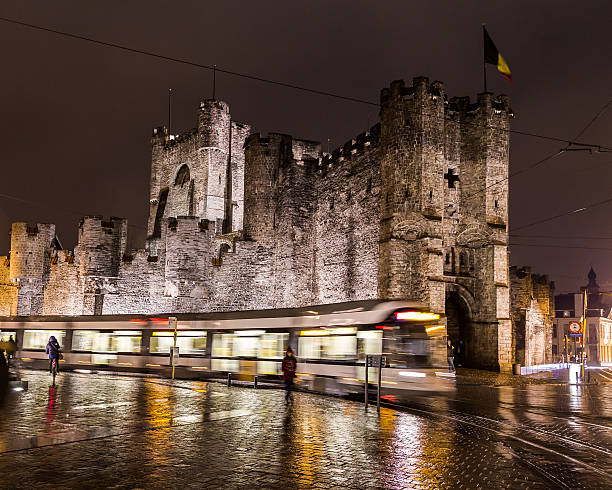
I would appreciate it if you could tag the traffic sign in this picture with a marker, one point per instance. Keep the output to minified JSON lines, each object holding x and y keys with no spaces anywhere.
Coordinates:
{"x":574,"y":328}
{"x":377,"y":361}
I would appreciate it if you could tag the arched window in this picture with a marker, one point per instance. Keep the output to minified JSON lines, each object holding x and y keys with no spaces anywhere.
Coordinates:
{"x":182,"y":177}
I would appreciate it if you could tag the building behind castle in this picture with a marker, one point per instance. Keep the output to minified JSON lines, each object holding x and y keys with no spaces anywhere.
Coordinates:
{"x":416,"y":207}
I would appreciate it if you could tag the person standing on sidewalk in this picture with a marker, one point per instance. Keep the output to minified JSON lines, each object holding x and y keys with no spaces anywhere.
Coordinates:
{"x":450,"y":355}
{"x":289,"y":367}
{"x":11,"y":349}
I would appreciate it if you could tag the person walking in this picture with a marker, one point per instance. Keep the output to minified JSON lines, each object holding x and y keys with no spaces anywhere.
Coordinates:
{"x":53,"y":351}
{"x":11,"y":349}
{"x":289,"y":367}
{"x":450,"y":355}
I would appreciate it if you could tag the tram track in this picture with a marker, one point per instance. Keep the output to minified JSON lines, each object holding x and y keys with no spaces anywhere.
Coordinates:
{"x":507,"y":435}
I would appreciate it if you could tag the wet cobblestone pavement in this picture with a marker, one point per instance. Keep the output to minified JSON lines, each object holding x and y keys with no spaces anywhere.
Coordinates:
{"x":106,"y":431}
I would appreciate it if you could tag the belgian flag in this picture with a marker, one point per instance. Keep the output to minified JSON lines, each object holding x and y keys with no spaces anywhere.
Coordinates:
{"x":493,"y":56}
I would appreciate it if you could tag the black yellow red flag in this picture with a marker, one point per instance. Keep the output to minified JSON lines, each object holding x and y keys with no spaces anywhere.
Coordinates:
{"x":494,"y":57}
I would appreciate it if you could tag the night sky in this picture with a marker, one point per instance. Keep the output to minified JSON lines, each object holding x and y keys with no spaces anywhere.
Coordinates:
{"x":77,"y":117}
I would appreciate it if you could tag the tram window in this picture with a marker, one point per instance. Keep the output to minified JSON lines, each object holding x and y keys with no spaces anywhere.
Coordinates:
{"x":192,"y":342}
{"x":328,"y":347}
{"x":6,"y":334}
{"x":273,"y":345}
{"x":222,"y":345}
{"x":96,"y":341}
{"x":38,"y":339}
{"x":245,"y":346}
{"x":369,"y":343}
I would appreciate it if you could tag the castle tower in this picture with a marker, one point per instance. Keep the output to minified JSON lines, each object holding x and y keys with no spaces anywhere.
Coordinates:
{"x":29,"y":264}
{"x":263,"y":157}
{"x":443,"y":228}
{"x":188,"y":256}
{"x":198,"y":173}
{"x":101,"y":245}
{"x":412,"y":197}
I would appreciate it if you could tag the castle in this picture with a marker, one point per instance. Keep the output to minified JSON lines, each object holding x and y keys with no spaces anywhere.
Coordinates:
{"x":416,"y":207}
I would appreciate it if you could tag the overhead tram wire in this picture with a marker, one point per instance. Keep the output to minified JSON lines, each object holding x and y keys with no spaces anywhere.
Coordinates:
{"x":552,"y":155}
{"x":559,"y":246}
{"x":561,"y":237}
{"x":58,"y":209}
{"x":561,"y":215}
{"x":215,"y":68}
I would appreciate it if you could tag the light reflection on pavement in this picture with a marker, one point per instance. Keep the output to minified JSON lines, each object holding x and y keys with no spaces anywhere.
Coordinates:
{"x":108,"y":431}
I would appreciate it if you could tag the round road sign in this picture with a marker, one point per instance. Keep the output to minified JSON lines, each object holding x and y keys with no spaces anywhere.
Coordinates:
{"x":574,"y":327}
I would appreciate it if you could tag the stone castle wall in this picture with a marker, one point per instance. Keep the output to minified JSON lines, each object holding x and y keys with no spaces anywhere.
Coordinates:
{"x":533,"y":311}
{"x":414,"y":208}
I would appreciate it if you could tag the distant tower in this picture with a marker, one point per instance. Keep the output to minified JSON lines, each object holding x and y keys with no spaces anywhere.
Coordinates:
{"x":29,"y":265}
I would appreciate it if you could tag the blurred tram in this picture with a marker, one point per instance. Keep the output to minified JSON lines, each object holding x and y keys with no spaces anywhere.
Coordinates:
{"x":330,"y":341}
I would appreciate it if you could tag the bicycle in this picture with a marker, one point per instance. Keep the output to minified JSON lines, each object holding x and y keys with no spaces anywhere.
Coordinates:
{"x":54,"y":369}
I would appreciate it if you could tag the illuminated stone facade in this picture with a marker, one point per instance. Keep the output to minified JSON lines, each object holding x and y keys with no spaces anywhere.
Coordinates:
{"x":415,"y":208}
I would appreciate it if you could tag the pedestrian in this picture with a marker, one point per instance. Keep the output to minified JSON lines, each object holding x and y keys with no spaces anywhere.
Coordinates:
{"x":450,"y":355}
{"x":53,"y":350}
{"x":4,"y":377}
{"x":11,"y":349}
{"x":288,"y":367}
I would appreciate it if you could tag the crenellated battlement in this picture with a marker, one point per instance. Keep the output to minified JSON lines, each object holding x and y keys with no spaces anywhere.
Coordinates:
{"x":352,"y":148}
{"x":190,"y":224}
{"x":422,"y":91}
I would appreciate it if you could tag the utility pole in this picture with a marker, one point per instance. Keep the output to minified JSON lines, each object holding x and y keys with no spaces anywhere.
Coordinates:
{"x":584,"y":332}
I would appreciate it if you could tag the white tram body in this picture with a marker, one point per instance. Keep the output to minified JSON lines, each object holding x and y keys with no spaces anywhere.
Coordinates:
{"x":330,"y":342}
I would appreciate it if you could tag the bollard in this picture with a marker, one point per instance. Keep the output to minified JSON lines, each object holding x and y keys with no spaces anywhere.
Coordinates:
{"x":255,"y":382}
{"x":380,"y":366}
{"x":577,"y":378}
{"x":229,"y":379}
{"x":366,"y":380}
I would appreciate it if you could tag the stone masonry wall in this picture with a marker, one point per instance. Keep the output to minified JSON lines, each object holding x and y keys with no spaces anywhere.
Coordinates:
{"x":532,"y":298}
{"x":346,"y":221}
{"x":8,"y":289}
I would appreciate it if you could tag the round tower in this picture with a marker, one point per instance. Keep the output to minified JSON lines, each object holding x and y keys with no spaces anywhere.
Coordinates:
{"x":214,"y":133}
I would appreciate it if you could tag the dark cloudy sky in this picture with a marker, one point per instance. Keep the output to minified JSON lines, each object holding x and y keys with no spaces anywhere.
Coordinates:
{"x":76,"y":118}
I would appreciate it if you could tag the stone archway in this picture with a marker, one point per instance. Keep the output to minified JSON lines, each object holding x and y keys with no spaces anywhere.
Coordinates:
{"x":459,"y":326}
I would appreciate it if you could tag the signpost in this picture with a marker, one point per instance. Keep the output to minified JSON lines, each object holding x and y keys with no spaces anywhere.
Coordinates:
{"x":379,"y":362}
{"x":174,"y":351}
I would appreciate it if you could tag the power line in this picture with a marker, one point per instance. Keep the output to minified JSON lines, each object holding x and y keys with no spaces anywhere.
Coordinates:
{"x":566,"y":213}
{"x":56,"y":208}
{"x":561,"y":237}
{"x":215,"y":69}
{"x":558,"y":246}
{"x":595,"y":117}
{"x":552,"y":155}
{"x":183,"y":61}
{"x":514,"y":174}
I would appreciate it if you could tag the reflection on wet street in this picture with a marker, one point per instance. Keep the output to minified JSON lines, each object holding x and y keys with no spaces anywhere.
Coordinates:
{"x":95,"y":431}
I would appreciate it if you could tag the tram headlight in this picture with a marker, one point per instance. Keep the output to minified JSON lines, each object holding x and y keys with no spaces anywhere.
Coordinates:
{"x":415,"y":316}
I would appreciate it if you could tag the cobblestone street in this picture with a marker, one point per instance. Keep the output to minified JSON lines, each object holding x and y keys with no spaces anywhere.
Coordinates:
{"x":94,"y":431}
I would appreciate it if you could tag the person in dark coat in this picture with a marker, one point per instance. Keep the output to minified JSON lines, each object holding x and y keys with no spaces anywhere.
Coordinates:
{"x":53,"y":351}
{"x":289,"y":367}
{"x":450,"y":355}
{"x":4,"y":377}
{"x":11,"y":348}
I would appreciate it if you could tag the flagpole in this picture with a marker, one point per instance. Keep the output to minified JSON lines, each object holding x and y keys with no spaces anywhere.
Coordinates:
{"x":169,"y":112}
{"x":484,"y":61}
{"x":214,"y":81}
